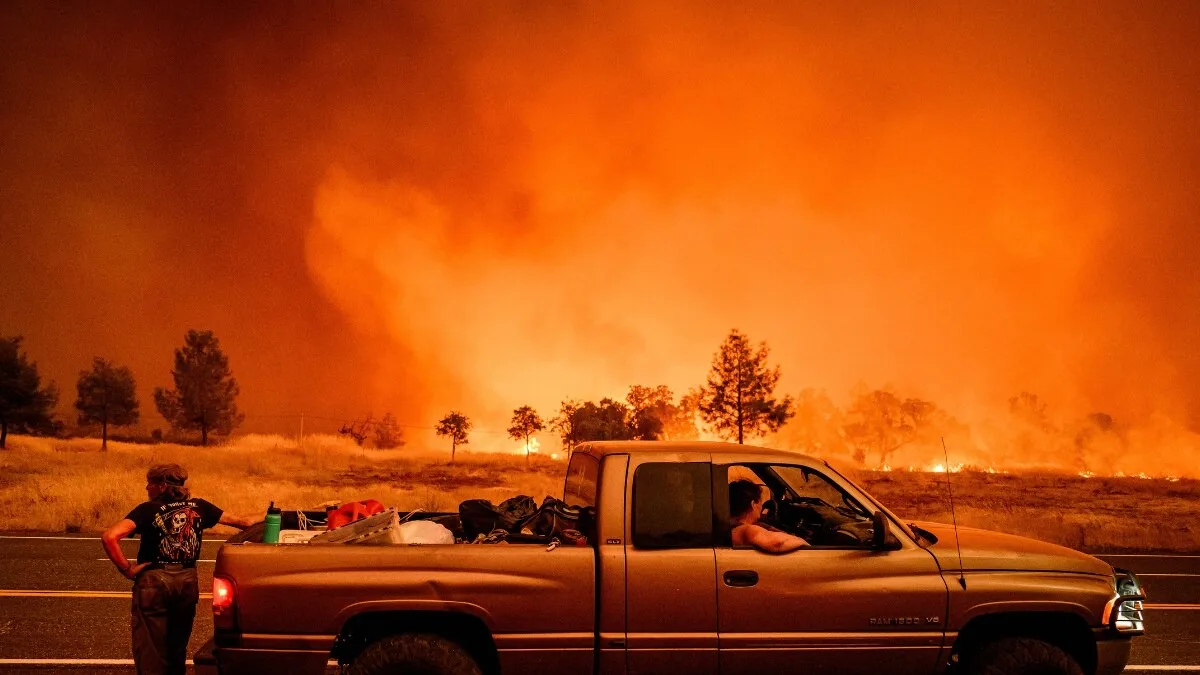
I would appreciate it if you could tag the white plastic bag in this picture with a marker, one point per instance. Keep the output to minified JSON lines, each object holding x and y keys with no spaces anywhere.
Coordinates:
{"x":424,"y":532}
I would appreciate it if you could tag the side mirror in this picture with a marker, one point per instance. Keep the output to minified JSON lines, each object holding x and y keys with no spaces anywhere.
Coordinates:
{"x":881,"y":534}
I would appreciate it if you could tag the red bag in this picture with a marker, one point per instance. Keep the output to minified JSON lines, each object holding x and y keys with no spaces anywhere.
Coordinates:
{"x":351,"y":511}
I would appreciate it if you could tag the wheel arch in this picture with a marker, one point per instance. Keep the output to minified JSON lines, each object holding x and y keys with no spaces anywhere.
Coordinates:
{"x":1066,"y":630}
{"x":466,"y":630}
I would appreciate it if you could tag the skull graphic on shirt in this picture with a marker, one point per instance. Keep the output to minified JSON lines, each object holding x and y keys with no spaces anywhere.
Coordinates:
{"x":180,"y":534}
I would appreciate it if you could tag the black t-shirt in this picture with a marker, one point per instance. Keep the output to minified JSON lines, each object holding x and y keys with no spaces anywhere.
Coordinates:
{"x":171,"y":531}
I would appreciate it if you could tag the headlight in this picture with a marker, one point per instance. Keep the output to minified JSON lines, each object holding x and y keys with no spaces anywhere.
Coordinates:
{"x":1124,"y":612}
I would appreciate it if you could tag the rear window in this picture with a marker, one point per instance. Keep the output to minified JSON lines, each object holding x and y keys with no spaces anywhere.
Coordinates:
{"x":582,"y":476}
{"x":672,"y":505}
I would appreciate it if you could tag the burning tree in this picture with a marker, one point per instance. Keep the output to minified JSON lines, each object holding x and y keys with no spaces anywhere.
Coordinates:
{"x":525,"y":423}
{"x":205,"y":391}
{"x":456,"y":426}
{"x":107,"y":395}
{"x":738,"y":399}
{"x":25,"y":406}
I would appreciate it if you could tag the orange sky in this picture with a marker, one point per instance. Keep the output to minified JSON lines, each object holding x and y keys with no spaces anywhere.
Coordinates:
{"x":415,"y":209}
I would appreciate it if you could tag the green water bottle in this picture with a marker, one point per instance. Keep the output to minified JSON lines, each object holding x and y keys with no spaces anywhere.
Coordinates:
{"x":274,"y":519}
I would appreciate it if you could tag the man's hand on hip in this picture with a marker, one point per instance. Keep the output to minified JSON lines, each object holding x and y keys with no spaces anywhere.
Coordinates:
{"x":132,"y":571}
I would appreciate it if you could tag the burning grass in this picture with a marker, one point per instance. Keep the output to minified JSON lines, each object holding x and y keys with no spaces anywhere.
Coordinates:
{"x":54,"y":485}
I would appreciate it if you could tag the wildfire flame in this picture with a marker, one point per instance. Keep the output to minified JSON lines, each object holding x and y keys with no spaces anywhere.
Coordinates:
{"x":531,"y":449}
{"x":941,"y":468}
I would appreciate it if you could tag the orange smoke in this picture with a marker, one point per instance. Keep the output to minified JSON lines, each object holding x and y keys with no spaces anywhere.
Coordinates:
{"x":418,"y":211}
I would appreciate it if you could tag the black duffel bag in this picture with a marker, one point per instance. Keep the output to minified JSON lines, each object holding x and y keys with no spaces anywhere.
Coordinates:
{"x":515,"y":512}
{"x":478,"y":516}
{"x":554,"y":516}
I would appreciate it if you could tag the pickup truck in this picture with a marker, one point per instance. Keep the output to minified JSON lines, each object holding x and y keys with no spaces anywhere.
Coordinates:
{"x":661,"y":589}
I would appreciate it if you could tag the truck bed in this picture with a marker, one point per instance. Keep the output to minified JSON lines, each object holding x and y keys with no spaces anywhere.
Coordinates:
{"x":535,"y":602}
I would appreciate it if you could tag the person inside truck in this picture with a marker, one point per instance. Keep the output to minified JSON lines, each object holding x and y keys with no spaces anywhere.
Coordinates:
{"x":745,"y":509}
{"x":165,"y":588}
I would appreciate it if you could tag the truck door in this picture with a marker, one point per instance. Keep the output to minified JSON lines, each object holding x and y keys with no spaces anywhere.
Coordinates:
{"x":838,"y":607}
{"x":671,"y":595}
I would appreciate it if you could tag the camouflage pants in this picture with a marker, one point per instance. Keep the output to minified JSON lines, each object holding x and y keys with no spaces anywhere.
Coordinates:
{"x":164,"y":606}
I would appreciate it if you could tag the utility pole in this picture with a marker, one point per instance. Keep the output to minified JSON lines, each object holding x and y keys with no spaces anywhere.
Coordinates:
{"x":301,"y":441}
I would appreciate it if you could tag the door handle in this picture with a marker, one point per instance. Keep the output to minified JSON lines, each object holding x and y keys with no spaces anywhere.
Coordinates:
{"x":741,"y":578}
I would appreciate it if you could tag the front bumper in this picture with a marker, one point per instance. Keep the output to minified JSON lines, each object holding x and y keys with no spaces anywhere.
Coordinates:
{"x":1112,"y":654}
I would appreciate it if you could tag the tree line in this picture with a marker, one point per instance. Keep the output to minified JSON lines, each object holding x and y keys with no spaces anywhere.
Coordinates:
{"x":203,"y":399}
{"x":737,"y":401}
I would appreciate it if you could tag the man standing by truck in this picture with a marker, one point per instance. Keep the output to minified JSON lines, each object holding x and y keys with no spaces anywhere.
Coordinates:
{"x":165,"y":588}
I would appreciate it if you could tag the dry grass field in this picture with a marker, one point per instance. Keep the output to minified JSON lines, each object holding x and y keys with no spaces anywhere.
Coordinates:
{"x":56,"y":485}
{"x":1093,"y":514}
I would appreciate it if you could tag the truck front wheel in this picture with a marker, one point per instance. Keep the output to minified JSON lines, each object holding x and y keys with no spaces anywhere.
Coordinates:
{"x":414,"y":655}
{"x":1021,"y":656}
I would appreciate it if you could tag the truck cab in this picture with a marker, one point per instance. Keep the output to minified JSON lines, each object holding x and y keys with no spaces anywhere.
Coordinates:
{"x":661,"y":587}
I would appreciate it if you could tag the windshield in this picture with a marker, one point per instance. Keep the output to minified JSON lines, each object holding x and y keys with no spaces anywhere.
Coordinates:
{"x":810,"y":486}
{"x":871,"y":500}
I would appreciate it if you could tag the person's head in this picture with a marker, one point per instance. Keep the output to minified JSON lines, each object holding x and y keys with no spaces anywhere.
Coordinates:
{"x":745,"y":501}
{"x":165,"y":481}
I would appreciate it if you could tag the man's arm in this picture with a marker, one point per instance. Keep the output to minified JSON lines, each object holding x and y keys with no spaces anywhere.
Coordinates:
{"x":236,"y":521}
{"x":112,"y":546}
{"x":774,"y":542}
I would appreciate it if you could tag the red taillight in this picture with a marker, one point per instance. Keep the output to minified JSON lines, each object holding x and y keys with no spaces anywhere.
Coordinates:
{"x":222,"y":596}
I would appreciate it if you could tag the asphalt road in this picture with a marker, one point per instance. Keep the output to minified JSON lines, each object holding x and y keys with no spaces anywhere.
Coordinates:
{"x":63,"y":608}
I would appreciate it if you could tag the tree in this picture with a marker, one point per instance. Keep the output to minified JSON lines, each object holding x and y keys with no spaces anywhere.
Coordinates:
{"x":738,"y":398}
{"x":817,"y":426}
{"x":25,"y":405}
{"x":654,"y":416}
{"x":1030,"y":409}
{"x":205,"y":391}
{"x":605,"y":421}
{"x":578,"y":422}
{"x":1099,"y":441}
{"x":525,"y":423}
{"x":358,"y":429}
{"x":456,"y":426}
{"x":388,"y":433}
{"x":107,"y":395}
{"x":682,"y":426}
{"x":564,"y":424}
{"x":882,"y":423}
{"x":1029,"y":426}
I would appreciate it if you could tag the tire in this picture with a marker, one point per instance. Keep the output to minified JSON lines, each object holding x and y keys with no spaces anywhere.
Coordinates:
{"x":1021,"y":656}
{"x":414,"y":655}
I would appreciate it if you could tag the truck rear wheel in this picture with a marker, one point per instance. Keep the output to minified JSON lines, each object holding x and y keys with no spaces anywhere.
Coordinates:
{"x":1021,"y":656}
{"x":414,"y":655}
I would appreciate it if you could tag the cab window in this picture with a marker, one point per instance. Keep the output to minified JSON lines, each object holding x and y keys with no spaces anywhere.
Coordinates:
{"x":803,"y":501}
{"x":672,"y":505}
{"x":582,"y":476}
